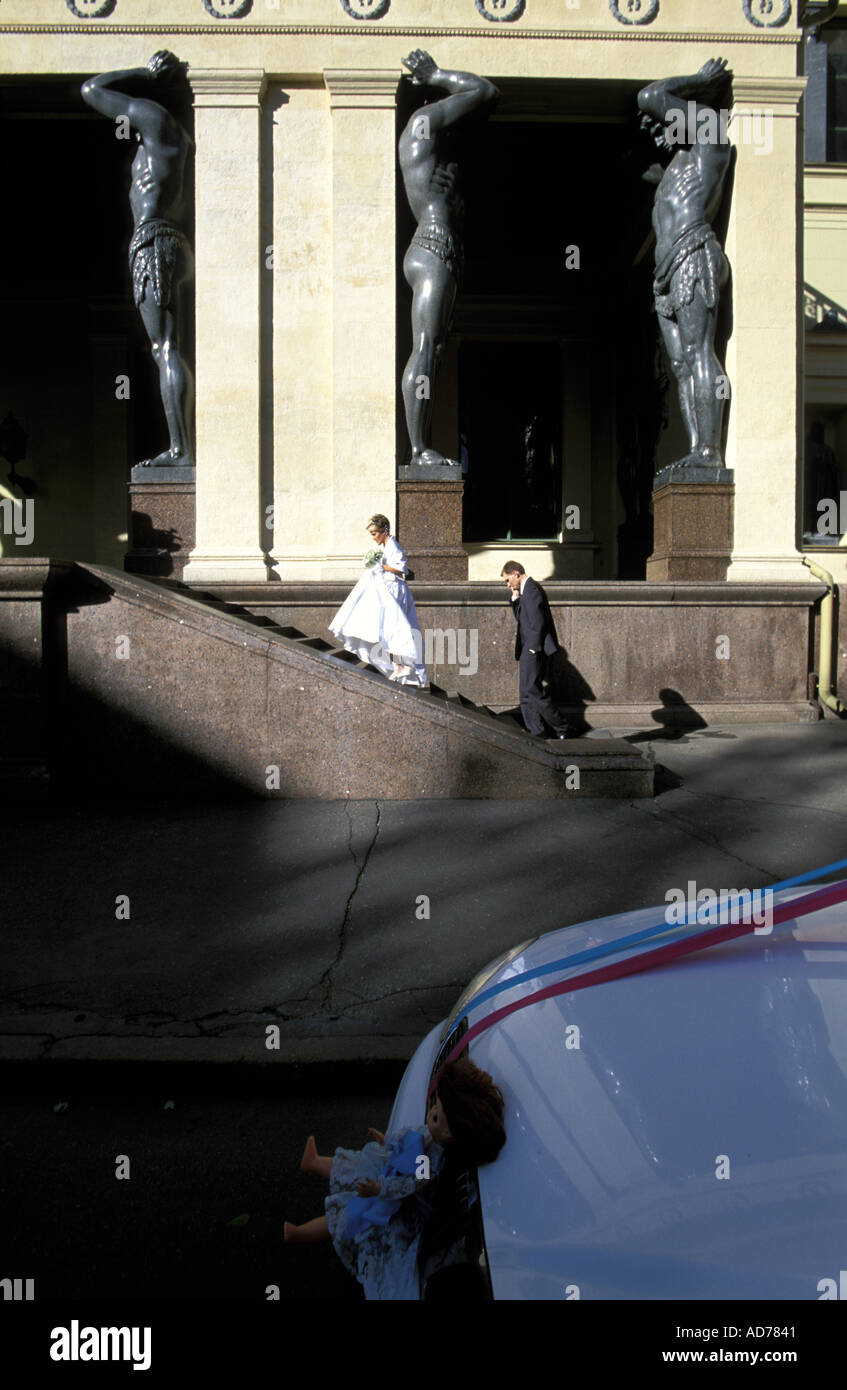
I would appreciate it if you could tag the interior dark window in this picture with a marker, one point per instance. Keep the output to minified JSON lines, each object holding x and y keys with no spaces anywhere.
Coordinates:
{"x":826,"y":95}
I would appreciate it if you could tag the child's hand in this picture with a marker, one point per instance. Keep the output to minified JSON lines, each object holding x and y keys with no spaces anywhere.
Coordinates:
{"x":369,"y":1187}
{"x":377,"y":1135}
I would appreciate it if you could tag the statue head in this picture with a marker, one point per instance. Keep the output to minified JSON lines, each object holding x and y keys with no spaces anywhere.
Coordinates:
{"x":171,"y":87}
{"x":166,"y":67}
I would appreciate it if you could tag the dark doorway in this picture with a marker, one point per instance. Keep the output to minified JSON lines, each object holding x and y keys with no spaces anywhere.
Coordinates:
{"x":510,"y":424}
{"x":71,"y":328}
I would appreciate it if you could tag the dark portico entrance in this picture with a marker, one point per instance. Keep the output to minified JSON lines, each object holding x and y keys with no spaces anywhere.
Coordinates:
{"x":553,"y":392}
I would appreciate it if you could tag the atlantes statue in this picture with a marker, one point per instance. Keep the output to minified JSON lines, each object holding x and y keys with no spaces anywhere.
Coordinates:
{"x":433,"y":262}
{"x":160,"y":259}
{"x":683,"y":116}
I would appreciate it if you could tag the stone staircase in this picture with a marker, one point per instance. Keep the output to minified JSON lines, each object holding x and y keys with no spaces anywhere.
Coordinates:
{"x":571,"y":759}
{"x":170,"y":683}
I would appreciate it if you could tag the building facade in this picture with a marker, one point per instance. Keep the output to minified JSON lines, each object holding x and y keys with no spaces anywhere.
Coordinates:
{"x":554,"y":395}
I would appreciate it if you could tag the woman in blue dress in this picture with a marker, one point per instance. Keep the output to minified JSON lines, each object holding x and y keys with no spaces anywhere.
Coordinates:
{"x":376,"y":1208}
{"x":378,"y":620}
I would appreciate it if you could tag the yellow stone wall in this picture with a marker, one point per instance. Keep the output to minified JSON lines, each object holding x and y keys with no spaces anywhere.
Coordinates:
{"x":715,"y":17}
{"x":302,"y":281}
{"x":825,"y":276}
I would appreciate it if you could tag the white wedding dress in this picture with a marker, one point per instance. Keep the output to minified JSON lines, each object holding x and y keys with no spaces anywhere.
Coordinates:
{"x":378,"y":620}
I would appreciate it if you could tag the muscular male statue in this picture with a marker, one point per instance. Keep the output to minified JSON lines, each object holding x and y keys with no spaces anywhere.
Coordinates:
{"x":691,"y":269}
{"x":160,"y":257}
{"x":433,"y":262}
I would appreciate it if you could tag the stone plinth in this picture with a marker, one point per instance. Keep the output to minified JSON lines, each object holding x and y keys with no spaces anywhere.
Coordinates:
{"x":429,"y":523}
{"x":162,"y":527}
{"x":692,"y":531}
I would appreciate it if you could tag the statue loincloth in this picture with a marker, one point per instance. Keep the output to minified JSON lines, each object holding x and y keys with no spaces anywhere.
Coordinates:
{"x":695,"y":259}
{"x":154,"y":251}
{"x":441,"y":242}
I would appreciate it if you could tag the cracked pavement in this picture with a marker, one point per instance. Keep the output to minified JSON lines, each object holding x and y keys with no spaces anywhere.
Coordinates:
{"x":304,"y":915}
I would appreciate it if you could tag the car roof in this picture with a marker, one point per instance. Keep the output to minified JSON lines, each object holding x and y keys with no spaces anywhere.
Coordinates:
{"x":677,"y":1133}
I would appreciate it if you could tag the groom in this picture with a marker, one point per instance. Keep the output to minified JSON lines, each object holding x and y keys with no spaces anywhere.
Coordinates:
{"x":535,"y":640}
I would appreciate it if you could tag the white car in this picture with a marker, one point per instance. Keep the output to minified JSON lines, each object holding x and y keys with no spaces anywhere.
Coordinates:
{"x":679,"y":1132}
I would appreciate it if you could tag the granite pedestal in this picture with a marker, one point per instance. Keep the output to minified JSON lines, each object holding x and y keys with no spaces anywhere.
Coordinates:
{"x":429,"y":521}
{"x":162,"y":521}
{"x":692,"y":527}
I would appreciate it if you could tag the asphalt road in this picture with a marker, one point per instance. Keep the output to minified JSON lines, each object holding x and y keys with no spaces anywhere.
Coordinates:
{"x":213,"y":1172}
{"x":184,"y":930}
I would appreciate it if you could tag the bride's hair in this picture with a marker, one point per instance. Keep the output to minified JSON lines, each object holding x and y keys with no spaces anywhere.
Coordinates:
{"x":381,"y":522}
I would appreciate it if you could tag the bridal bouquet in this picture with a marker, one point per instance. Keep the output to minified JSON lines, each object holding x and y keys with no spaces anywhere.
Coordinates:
{"x":372,"y":557}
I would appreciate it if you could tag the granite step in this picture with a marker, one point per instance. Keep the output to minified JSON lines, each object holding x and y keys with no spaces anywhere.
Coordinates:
{"x":318,"y":644}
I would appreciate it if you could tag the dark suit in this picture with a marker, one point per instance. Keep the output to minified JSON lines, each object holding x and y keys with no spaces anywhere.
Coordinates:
{"x":535,"y":640}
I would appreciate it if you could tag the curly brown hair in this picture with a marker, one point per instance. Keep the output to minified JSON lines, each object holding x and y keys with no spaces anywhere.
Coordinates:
{"x":474,"y":1108}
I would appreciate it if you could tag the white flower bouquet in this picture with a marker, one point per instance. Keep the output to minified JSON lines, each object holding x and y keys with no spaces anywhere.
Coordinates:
{"x":372,"y":557}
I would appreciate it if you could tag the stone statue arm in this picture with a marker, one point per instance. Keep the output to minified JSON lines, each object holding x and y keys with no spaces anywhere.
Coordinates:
{"x":100,"y":92}
{"x":467,"y":91}
{"x":144,"y":114}
{"x":672,"y":95}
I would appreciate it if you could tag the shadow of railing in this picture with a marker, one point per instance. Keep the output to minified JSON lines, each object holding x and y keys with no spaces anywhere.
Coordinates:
{"x":822,"y":313}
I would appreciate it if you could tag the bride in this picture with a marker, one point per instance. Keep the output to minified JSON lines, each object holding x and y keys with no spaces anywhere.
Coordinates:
{"x":378,"y":620}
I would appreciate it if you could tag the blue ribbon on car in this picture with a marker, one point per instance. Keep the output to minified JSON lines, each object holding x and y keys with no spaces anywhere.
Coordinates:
{"x":611,"y":948}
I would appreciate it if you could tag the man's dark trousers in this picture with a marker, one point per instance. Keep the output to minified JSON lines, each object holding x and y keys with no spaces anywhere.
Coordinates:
{"x":536,"y":640}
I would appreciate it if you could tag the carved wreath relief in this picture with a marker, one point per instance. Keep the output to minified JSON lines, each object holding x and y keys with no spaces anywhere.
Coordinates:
{"x":365,"y":9}
{"x":501,"y":11}
{"x":634,"y":11}
{"x":767,"y":14}
{"x":228,"y":9}
{"x":91,"y":9}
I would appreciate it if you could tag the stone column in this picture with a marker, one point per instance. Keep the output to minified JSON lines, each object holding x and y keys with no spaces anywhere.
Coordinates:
{"x":228,"y":270}
{"x":764,"y":355}
{"x":364,"y":373}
